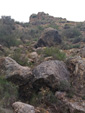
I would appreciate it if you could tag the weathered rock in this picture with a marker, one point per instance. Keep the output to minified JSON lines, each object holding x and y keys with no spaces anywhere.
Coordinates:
{"x":76,"y":66}
{"x":15,"y":72}
{"x":34,"y":55}
{"x":72,"y":52}
{"x":76,"y":107}
{"x":52,"y":73}
{"x":66,"y":105}
{"x":50,"y":37}
{"x":20,"y":107}
{"x":60,"y":95}
{"x":30,"y":61}
{"x":48,"y":58}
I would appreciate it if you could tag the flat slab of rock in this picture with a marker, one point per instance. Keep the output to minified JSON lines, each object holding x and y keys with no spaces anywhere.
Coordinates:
{"x":20,"y":107}
{"x":52,"y":73}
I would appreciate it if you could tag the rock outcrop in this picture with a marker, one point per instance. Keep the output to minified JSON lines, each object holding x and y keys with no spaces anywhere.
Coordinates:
{"x":16,"y":73}
{"x":76,"y":66}
{"x":42,"y":18}
{"x":50,"y":37}
{"x":20,"y":107}
{"x":52,"y":73}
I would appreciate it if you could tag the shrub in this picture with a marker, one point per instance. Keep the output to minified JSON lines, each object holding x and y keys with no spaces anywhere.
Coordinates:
{"x":83,"y":39}
{"x":44,"y":96}
{"x":72,"y":33}
{"x":83,"y":97}
{"x":8,"y":34}
{"x":63,"y":85}
{"x":66,"y":26}
{"x":70,"y":94}
{"x":54,"y":26}
{"x":76,"y":46}
{"x":33,"y":15}
{"x":70,"y":46}
{"x":17,"y":56}
{"x":40,"y":28}
{"x":55,"y":52}
{"x":77,"y":39}
{"x":8,"y":93}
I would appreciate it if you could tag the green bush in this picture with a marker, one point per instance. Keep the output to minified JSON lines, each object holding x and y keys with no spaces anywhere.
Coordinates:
{"x":54,"y":52}
{"x":76,"y":46}
{"x":83,"y":39}
{"x":33,"y":15}
{"x":71,"y":33}
{"x":44,"y":95}
{"x":63,"y":85}
{"x":76,"y":40}
{"x":54,"y":26}
{"x":8,"y":93}
{"x":83,"y":97}
{"x":70,"y":46}
{"x":8,"y":32}
{"x":17,"y":56}
{"x":66,"y":26}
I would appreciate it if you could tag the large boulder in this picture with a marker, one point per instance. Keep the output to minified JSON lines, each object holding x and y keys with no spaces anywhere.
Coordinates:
{"x":20,"y":107}
{"x":53,"y":74}
{"x":50,"y":37}
{"x":16,"y":73}
{"x":76,"y":66}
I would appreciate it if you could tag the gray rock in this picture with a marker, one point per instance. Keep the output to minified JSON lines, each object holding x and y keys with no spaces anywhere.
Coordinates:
{"x":76,"y":107}
{"x":76,"y":66}
{"x":20,"y":107}
{"x":52,"y":73}
{"x":34,"y":55}
{"x":15,"y":72}
{"x":66,"y":105}
{"x":50,"y":37}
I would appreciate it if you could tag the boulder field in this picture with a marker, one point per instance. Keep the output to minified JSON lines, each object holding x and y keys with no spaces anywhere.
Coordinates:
{"x":61,"y":78}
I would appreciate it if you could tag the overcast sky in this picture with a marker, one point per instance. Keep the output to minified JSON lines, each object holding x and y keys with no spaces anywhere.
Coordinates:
{"x":20,"y":10}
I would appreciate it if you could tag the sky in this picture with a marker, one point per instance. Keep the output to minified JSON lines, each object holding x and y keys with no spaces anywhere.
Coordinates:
{"x":20,"y":10}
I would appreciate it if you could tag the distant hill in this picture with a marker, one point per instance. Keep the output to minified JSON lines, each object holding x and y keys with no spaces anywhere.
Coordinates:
{"x":13,"y":33}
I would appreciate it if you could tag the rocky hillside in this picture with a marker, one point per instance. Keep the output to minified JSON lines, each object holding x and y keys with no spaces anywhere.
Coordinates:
{"x":42,"y":65}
